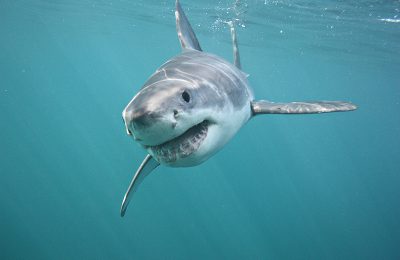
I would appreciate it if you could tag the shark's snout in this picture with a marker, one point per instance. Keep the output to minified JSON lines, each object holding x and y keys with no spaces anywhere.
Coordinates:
{"x":149,"y":127}
{"x":142,"y":120}
{"x":137,"y":121}
{"x":161,"y":111}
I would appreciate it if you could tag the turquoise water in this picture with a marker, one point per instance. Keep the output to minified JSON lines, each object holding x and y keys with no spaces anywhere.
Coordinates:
{"x":286,"y":187}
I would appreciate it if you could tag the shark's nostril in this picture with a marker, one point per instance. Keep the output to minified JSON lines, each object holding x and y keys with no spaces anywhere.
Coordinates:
{"x":128,"y":131}
{"x":175,"y":113}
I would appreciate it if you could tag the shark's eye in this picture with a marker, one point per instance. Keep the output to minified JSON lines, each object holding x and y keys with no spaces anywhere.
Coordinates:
{"x":186,"y":96}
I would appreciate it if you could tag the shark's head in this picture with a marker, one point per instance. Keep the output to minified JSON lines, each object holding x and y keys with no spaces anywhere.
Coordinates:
{"x":168,"y":118}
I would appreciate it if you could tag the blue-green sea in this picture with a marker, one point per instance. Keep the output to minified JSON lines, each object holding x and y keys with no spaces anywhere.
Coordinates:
{"x":321,"y":186}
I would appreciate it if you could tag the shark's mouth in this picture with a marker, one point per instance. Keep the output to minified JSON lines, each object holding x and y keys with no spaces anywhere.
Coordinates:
{"x":181,"y":146}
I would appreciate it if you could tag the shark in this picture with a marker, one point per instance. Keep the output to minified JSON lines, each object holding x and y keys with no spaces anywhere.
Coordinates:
{"x":194,"y":103}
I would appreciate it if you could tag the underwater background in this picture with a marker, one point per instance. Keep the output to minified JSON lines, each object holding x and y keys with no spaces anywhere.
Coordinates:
{"x":286,"y":187}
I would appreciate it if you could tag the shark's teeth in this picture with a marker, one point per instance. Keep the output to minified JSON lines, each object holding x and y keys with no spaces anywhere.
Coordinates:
{"x":181,"y":146}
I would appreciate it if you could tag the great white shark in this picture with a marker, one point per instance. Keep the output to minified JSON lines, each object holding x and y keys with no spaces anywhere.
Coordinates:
{"x":194,"y":104}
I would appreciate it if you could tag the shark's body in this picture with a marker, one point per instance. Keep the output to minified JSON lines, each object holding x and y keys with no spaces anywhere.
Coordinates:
{"x":194,"y":104}
{"x":220,"y":100}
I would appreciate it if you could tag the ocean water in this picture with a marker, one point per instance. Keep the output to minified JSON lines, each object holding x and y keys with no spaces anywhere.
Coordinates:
{"x":286,"y":187}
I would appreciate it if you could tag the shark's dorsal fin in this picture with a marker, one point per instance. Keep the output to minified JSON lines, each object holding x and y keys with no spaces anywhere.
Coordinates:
{"x":186,"y":35}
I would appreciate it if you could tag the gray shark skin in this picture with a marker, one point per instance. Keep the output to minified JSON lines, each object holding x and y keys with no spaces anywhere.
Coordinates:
{"x":194,"y":104}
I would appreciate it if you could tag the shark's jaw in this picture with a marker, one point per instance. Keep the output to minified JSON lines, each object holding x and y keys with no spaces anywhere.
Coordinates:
{"x":181,"y":146}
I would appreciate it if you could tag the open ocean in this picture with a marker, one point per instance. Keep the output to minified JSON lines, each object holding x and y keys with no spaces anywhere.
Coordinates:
{"x":286,"y":187}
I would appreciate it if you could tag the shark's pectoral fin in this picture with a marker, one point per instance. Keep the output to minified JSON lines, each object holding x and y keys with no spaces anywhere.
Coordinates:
{"x":147,"y":166}
{"x":186,"y":35}
{"x":309,"y":107}
{"x":236,"y":56}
